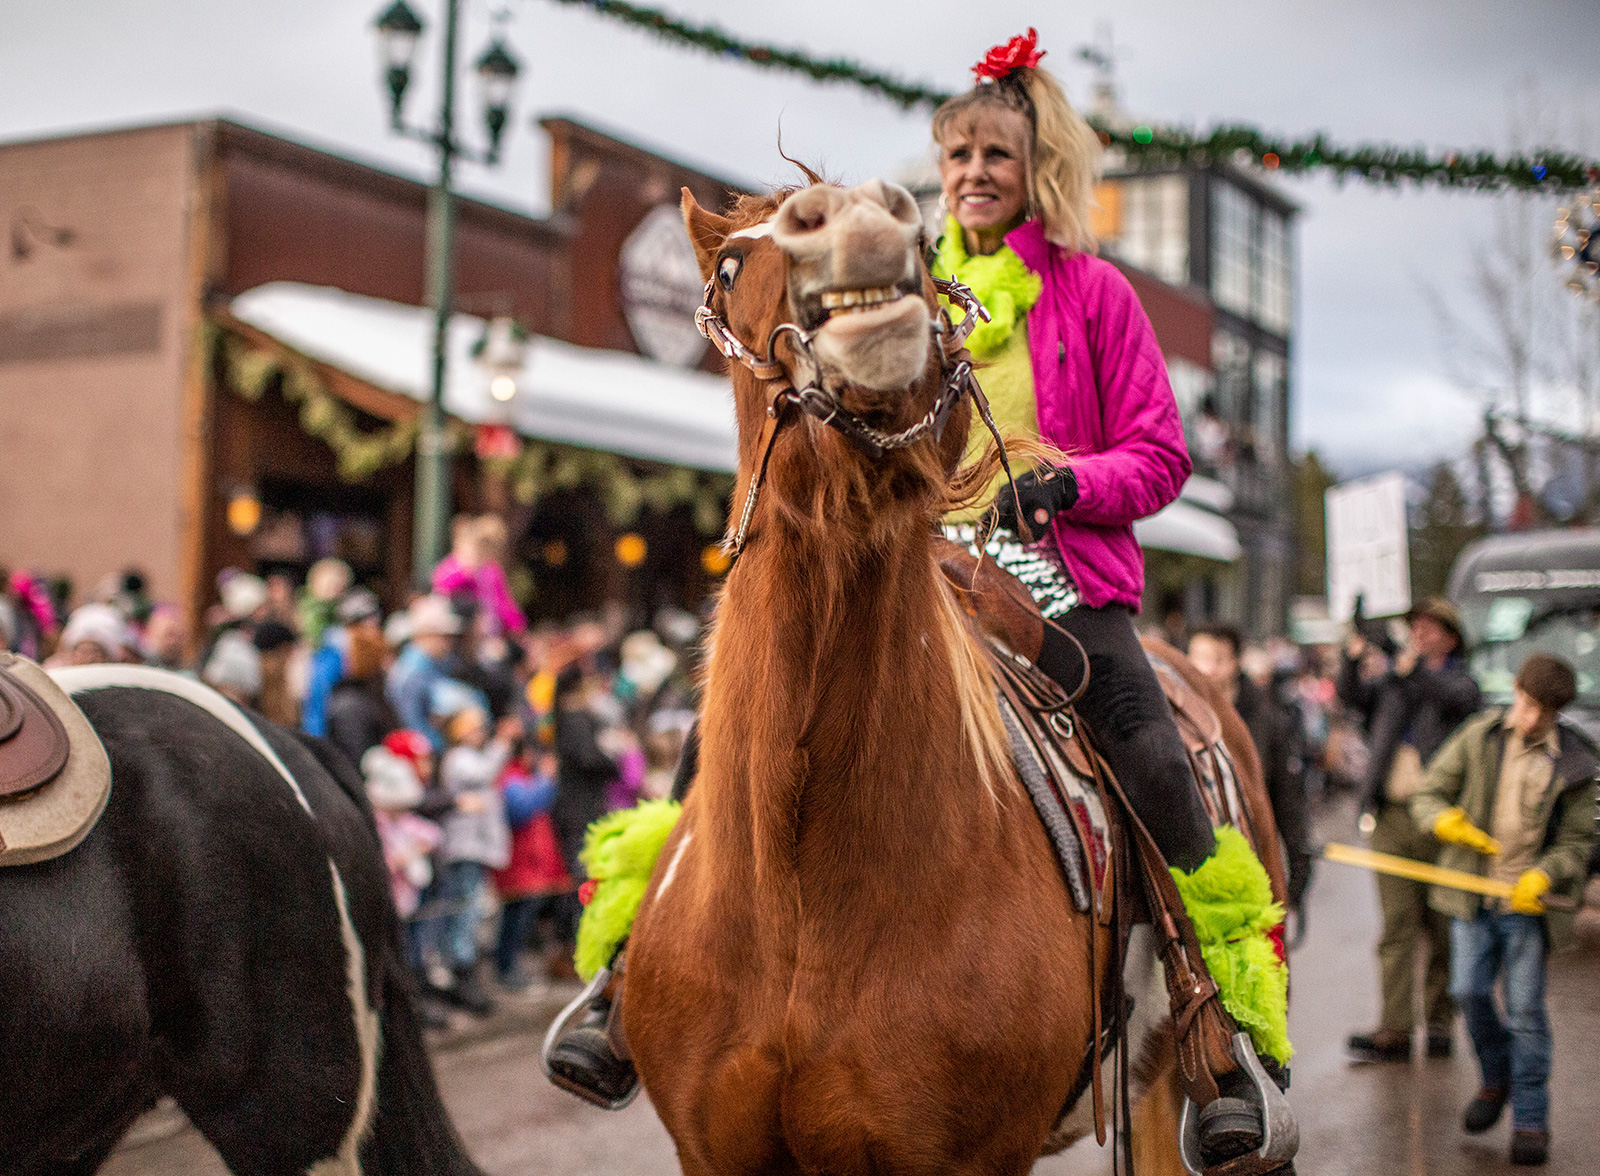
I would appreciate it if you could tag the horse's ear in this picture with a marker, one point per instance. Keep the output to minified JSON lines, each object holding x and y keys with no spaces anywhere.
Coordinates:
{"x":707,"y":232}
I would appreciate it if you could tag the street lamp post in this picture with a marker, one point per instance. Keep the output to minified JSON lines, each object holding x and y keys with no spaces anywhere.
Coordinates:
{"x":399,"y":30}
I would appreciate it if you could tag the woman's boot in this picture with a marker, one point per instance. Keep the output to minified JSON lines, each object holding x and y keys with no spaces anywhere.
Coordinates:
{"x":1228,"y":899}
{"x":619,"y":853}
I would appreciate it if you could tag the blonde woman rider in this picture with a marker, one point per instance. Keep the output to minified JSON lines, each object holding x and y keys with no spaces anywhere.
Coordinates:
{"x":1071,"y":357}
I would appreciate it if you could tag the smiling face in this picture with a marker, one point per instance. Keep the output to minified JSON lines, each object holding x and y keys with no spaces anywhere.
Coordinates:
{"x":844,"y":265}
{"x":844,"y":268}
{"x":983,"y":170}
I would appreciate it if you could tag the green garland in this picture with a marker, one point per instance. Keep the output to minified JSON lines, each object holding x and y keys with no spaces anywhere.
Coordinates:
{"x":359,"y":454}
{"x":546,"y":466}
{"x":541,"y":467}
{"x":1158,"y":147}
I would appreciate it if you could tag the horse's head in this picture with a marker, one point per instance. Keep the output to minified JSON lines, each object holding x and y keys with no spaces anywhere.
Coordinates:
{"x":822,"y":298}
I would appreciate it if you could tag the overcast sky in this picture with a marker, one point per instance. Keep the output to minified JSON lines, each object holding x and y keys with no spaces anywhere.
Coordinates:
{"x":1370,"y":382}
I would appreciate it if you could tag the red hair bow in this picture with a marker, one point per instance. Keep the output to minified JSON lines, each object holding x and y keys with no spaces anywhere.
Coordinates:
{"x":1017,"y":53}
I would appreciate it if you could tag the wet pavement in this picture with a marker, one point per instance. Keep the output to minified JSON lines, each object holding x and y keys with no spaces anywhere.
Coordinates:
{"x":1355,"y":1120}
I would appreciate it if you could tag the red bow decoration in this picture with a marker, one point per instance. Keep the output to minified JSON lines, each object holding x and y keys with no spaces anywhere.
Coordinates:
{"x":1017,"y":53}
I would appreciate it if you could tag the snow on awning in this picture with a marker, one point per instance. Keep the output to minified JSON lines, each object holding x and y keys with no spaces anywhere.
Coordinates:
{"x":610,"y":400}
{"x":1191,"y":524}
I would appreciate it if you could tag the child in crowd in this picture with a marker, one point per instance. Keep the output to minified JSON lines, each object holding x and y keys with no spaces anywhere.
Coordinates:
{"x":1512,"y":794}
{"x":477,"y":838}
{"x":535,"y":878}
{"x":395,"y":790}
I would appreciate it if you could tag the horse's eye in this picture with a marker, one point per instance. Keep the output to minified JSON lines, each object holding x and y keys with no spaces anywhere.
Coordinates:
{"x":727,"y":271}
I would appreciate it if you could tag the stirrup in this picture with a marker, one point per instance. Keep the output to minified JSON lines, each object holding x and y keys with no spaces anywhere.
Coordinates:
{"x":1280,"y":1133}
{"x":557,"y":1030}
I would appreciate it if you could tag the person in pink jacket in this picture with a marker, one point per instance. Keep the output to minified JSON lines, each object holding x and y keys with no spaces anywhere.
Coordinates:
{"x":474,"y":568}
{"x":1070,"y":356}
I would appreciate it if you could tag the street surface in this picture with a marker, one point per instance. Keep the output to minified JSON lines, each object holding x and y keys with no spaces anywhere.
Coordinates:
{"x":1354,"y":1120}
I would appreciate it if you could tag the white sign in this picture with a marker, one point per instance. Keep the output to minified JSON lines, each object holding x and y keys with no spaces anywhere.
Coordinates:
{"x":661,"y":288}
{"x":1367,"y":553}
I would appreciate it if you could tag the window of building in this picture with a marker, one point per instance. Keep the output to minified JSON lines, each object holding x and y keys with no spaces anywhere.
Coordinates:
{"x":1152,"y":226}
{"x":1277,"y":278}
{"x":1230,"y":363}
{"x":1267,"y":415}
{"x":1190,"y":383}
{"x":1233,"y":247}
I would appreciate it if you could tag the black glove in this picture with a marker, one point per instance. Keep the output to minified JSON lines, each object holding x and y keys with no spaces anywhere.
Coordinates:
{"x":1045,"y":493}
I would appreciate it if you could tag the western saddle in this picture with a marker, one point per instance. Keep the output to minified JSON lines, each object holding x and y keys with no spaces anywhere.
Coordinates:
{"x":55,"y":777}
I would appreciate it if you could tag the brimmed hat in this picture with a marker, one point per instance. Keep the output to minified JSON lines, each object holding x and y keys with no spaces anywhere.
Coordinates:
{"x":359,"y":604}
{"x":243,"y":593}
{"x":1437,"y":608}
{"x":433,"y":614}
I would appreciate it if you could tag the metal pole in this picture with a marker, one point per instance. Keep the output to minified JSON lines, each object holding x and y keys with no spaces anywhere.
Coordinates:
{"x":431,"y":511}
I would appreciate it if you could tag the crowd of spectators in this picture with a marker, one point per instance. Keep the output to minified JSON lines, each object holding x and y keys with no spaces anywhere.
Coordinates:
{"x":487,"y":745}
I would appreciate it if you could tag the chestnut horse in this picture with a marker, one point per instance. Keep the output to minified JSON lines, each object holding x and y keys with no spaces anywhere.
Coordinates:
{"x":857,"y":953}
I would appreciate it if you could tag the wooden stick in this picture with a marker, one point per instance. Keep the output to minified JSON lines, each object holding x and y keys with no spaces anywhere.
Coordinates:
{"x":1402,"y":867}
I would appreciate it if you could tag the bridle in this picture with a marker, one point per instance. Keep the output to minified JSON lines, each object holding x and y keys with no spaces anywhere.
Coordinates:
{"x":815,"y":400}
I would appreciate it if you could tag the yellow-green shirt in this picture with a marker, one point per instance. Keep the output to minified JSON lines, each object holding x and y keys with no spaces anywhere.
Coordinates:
{"x":1007,"y":380}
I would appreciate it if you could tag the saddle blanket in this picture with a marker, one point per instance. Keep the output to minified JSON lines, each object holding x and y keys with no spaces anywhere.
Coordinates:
{"x":1068,"y":804}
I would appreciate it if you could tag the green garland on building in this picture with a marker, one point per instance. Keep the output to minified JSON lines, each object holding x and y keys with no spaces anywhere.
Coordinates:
{"x":1157,"y":147}
{"x":626,"y":487}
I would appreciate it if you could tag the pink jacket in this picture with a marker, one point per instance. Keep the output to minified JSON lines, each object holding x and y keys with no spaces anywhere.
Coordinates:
{"x":487,"y":583}
{"x":1101,"y":386}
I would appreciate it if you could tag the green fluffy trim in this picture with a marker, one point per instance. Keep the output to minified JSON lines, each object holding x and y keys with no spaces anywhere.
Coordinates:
{"x":1001,"y":280}
{"x":619,"y":852}
{"x":1229,"y":900}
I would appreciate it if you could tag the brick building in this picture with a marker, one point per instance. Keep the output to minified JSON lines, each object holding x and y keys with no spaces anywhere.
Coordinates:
{"x":136,"y":406}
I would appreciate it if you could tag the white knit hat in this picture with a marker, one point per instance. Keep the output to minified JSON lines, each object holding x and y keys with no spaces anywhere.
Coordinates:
{"x":99,"y":623}
{"x":392,"y":782}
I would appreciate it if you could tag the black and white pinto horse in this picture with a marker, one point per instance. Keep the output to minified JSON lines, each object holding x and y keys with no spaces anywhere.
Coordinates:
{"x":224,"y":935}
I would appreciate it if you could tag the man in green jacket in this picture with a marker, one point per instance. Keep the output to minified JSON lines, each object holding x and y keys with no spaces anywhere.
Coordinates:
{"x":1512,"y":794}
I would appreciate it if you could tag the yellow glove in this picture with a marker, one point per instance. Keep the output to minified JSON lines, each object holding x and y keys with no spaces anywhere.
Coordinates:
{"x":1530,"y":888}
{"x":1452,"y":825}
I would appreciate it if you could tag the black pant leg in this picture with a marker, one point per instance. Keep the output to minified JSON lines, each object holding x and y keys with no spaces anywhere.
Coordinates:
{"x":1133,"y":725}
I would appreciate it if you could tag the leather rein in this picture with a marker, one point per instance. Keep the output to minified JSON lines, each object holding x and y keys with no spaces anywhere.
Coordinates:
{"x":814,"y":400}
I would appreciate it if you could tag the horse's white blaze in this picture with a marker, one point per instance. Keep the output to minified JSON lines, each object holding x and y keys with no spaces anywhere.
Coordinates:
{"x":80,"y":679}
{"x":672,"y":866}
{"x":754,"y":232}
{"x":347,"y":1160}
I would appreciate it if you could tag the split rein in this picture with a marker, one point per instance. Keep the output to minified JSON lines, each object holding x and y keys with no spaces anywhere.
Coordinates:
{"x":814,"y":400}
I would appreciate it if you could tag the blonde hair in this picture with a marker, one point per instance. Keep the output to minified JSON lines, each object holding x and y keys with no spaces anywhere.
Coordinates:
{"x":1063,"y":150}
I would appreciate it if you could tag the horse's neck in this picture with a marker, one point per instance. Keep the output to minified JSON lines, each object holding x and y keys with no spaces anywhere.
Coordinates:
{"x":832,"y":725}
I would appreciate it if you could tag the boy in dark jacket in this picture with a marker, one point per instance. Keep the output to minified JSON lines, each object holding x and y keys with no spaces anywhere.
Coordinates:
{"x":1512,"y":796}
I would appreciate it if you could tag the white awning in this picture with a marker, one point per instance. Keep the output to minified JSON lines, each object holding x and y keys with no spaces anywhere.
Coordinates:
{"x":609,"y":400}
{"x":1190,"y":527}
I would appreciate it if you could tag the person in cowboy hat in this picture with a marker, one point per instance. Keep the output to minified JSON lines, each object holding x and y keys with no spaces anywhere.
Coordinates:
{"x":1410,"y":704}
{"x":432,"y":626}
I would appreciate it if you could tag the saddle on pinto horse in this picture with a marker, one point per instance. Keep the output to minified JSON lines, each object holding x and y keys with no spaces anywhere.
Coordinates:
{"x":55,"y":777}
{"x":1102,"y":845}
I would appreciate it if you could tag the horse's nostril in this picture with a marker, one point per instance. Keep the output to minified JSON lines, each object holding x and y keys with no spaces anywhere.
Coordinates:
{"x":804,"y":212}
